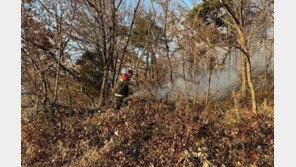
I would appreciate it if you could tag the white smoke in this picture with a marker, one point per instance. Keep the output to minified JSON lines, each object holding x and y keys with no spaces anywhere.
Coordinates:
{"x":222,"y":81}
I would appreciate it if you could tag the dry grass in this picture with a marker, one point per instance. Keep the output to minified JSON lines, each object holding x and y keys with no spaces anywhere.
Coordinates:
{"x":152,"y":133}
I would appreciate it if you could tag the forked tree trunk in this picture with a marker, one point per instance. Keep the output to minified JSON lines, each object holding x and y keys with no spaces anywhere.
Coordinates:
{"x":242,"y":41}
{"x":243,"y":45}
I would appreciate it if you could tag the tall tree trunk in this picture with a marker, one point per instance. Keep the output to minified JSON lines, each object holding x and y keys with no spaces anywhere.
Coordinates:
{"x":196,"y":89}
{"x":170,"y":67}
{"x":101,"y":98}
{"x":235,"y":100}
{"x":243,"y":59}
{"x":57,"y":80}
{"x":165,"y":8}
{"x":184,"y":70}
{"x":69,"y":94}
{"x":265,"y":85}
{"x":195,"y":75}
{"x":209,"y":86}
{"x":136,"y":73}
{"x":152,"y":66}
{"x":251,"y":87}
{"x":150,"y":70}
{"x":265,"y":82}
{"x":114,"y":73}
{"x":243,"y":77}
{"x":147,"y":65}
{"x":59,"y":31}
{"x":155,"y":75}
{"x":45,"y":98}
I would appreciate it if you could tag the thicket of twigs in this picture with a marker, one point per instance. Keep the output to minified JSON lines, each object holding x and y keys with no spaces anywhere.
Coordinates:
{"x":150,"y":132}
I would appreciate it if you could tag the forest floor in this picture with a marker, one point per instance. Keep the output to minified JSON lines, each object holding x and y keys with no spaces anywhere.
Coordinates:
{"x":150,"y":132}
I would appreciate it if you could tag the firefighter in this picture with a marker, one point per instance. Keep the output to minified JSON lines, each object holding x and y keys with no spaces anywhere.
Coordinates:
{"x":122,"y":90}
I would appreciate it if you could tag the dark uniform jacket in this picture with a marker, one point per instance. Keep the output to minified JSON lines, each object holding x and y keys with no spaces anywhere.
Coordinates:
{"x":122,"y":87}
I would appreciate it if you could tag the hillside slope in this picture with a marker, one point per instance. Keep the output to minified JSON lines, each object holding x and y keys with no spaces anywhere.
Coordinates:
{"x":151,"y":133}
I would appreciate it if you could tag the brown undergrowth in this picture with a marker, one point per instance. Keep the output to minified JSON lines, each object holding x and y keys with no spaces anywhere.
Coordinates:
{"x":150,"y":132}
